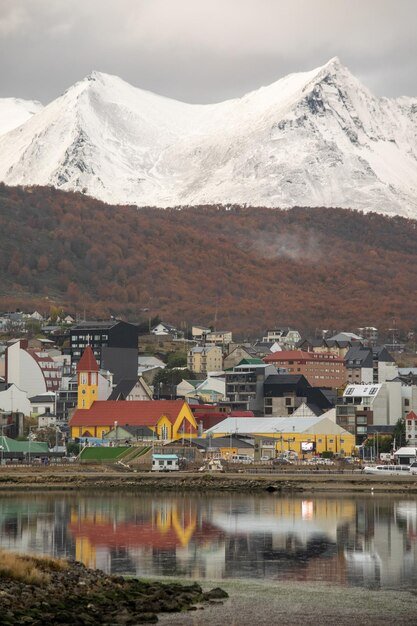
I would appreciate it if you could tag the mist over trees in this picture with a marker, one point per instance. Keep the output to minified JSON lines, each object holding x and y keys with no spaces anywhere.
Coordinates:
{"x":245,"y":268}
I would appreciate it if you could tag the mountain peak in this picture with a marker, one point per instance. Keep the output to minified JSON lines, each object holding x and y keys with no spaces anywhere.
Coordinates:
{"x":316,"y":138}
{"x":334,"y":62}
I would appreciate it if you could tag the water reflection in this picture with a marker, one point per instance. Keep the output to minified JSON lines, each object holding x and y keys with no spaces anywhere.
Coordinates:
{"x":347,"y":540}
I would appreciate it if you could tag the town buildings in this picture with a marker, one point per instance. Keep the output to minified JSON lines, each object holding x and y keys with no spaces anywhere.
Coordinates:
{"x":284,"y":393}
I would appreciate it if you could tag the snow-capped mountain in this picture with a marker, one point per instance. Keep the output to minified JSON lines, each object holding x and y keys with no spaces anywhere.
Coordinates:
{"x":318,"y":138}
{"x":14,"y":112}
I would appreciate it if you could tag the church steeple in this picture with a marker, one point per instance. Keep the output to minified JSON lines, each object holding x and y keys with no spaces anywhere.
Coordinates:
{"x":87,"y":373}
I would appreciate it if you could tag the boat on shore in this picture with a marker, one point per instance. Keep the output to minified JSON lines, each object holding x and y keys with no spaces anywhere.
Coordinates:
{"x":387,"y":470}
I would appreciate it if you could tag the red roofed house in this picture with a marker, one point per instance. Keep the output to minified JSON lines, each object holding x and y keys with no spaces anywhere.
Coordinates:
{"x":321,"y":369}
{"x":411,"y":429}
{"x":169,"y":419}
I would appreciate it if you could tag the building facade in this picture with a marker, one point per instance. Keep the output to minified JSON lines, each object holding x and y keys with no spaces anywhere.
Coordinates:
{"x":114,"y":344}
{"x":204,"y":359}
{"x":320,"y":369}
{"x":32,"y":371}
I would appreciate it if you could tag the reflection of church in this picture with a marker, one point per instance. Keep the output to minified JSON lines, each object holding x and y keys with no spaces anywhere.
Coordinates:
{"x":357,"y":541}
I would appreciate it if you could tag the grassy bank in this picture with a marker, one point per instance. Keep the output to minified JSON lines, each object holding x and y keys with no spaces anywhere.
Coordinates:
{"x":106,"y":478}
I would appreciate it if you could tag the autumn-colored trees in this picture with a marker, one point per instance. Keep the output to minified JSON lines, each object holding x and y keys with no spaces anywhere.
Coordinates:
{"x":248,"y":268}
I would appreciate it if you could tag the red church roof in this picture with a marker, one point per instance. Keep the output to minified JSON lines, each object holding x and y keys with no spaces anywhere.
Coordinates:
{"x":127,"y":413}
{"x":88,"y":362}
{"x":411,"y":416}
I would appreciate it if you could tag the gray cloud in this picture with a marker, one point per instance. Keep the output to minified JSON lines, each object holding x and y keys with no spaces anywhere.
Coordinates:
{"x":203,"y":50}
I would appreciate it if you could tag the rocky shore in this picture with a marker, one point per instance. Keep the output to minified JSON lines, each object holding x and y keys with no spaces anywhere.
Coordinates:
{"x":107,"y":479}
{"x":35,"y":591}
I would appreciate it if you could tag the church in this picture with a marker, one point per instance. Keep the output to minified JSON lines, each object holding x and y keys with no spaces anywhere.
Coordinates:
{"x":168,"y":419}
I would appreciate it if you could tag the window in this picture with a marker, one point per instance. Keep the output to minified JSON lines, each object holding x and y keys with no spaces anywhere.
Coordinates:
{"x":373,"y":391}
{"x":83,"y":378}
{"x":409,"y":422}
{"x":94,"y":378}
{"x":406,"y":402}
{"x":287,"y":401}
{"x":349,"y":392}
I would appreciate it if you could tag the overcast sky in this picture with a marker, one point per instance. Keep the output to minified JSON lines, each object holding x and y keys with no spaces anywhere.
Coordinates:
{"x":203,"y":50}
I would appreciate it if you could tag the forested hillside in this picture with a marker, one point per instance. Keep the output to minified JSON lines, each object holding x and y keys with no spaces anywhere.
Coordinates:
{"x":252,"y":267}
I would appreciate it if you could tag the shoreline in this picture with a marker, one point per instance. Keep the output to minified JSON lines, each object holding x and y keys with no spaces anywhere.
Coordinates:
{"x":105,"y":479}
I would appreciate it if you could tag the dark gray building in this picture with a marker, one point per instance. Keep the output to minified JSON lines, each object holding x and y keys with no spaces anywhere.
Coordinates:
{"x":114,"y":343}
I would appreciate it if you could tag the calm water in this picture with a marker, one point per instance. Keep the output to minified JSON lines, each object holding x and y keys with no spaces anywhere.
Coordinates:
{"x":366,"y":541}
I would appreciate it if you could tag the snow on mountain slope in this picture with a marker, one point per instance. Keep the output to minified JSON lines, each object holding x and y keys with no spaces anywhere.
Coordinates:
{"x":317,"y":138}
{"x":14,"y":112}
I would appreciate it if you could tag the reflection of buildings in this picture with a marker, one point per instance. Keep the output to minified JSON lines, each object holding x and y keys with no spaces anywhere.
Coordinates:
{"x":381,"y":547}
{"x":356,"y":541}
{"x":35,"y":524}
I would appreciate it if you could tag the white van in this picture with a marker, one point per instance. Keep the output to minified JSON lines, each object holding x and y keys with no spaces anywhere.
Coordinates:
{"x":241,"y":458}
{"x":413,"y":468}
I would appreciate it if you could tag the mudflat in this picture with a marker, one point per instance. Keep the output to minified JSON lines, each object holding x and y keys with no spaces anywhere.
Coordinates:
{"x":72,"y":478}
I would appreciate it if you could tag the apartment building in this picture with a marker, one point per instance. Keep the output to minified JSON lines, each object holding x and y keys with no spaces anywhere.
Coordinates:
{"x":374,"y":404}
{"x":370,"y":365}
{"x":204,"y":359}
{"x":245,"y":385}
{"x":321,"y":369}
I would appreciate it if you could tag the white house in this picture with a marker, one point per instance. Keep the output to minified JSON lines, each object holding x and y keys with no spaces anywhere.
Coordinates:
{"x":42,"y":404}
{"x":287,"y":337}
{"x":163,"y":329}
{"x":406,"y":455}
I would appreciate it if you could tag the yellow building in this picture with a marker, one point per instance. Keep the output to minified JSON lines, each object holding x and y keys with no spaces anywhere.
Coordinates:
{"x":168,"y":419}
{"x":203,"y":359}
{"x":304,"y":435}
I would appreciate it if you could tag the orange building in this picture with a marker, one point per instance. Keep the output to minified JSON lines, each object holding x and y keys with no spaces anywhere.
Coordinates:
{"x":321,"y":369}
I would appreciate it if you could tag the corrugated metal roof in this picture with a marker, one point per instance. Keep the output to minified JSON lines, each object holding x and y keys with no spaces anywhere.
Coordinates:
{"x":268,"y":425}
